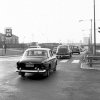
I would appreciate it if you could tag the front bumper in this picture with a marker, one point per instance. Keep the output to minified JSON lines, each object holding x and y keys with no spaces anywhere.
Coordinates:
{"x":31,"y":71}
{"x":75,"y":51}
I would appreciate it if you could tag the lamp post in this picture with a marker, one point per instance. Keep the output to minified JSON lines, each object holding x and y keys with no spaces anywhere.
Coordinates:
{"x":94,"y":46}
{"x":91,"y":37}
{"x":90,"y":30}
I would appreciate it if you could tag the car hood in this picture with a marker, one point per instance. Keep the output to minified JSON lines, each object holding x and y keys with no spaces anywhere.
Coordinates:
{"x":33,"y":59}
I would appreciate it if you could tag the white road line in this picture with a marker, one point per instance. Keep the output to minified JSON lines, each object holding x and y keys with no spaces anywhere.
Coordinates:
{"x":63,"y":61}
{"x":75,"y":61}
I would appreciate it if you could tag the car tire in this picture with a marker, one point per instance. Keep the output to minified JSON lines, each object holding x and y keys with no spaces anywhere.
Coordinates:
{"x":54,"y":68}
{"x":22,"y":74}
{"x":47,"y":73}
{"x":71,"y":55}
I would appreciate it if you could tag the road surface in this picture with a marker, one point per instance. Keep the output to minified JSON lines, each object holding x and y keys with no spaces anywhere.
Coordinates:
{"x":69,"y":82}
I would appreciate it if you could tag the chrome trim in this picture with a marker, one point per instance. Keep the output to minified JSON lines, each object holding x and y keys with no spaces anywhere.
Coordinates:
{"x":31,"y":71}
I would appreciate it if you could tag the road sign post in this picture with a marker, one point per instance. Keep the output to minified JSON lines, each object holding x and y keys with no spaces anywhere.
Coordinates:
{"x":8,"y":34}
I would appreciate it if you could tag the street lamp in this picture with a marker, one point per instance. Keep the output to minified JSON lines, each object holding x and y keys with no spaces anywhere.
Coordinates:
{"x":90,"y":30}
{"x":94,"y":45}
{"x":94,"y":49}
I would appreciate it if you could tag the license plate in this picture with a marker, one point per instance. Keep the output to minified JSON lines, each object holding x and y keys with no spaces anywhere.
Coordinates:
{"x":29,"y":65}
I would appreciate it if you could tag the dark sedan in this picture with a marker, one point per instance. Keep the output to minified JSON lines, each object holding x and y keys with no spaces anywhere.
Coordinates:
{"x":75,"y":49}
{"x":37,"y":60}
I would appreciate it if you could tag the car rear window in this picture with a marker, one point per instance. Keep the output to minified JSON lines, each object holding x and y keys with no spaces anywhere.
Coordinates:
{"x":75,"y":47}
{"x":62,"y":50}
{"x":36,"y":53}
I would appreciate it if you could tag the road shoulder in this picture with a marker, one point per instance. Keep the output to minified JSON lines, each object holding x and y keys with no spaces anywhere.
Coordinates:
{"x":86,"y":66}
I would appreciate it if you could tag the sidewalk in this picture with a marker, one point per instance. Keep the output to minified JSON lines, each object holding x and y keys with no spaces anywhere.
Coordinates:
{"x":86,"y":66}
{"x":84,"y":63}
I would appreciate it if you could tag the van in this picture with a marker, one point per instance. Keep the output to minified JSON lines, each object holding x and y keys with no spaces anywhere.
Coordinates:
{"x":63,"y":51}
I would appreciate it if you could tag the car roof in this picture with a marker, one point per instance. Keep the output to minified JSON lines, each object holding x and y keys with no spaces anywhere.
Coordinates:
{"x":34,"y":46}
{"x":47,"y":49}
{"x":63,"y":46}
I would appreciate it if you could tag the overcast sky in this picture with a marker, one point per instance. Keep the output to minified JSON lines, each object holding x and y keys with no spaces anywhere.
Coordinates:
{"x":48,"y":20}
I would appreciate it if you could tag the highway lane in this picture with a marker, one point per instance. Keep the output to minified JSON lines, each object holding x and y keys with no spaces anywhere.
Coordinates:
{"x":68,"y":83}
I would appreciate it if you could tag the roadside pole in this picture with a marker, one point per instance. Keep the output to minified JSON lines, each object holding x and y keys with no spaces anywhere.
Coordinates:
{"x":8,"y":34}
{"x":94,"y":47}
{"x":2,"y":49}
{"x":91,"y":37}
{"x":5,"y":47}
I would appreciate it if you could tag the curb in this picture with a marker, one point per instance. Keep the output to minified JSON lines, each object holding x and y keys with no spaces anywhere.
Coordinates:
{"x":85,"y":66}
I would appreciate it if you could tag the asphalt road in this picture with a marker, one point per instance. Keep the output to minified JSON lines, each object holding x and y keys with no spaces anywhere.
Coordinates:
{"x":69,"y":82}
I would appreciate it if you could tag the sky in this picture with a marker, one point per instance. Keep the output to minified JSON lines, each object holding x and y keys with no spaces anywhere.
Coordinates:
{"x":48,"y":20}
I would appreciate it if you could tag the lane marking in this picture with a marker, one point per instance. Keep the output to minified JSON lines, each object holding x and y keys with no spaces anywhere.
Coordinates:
{"x":75,"y":61}
{"x":63,"y":61}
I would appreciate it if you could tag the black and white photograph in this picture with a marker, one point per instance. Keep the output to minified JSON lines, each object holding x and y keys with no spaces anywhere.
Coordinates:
{"x":49,"y":50}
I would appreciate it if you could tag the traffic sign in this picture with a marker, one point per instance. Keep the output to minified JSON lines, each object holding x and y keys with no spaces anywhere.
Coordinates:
{"x":8,"y":32}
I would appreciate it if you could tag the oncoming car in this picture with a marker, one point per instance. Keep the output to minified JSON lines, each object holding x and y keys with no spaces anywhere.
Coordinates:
{"x":37,"y":60}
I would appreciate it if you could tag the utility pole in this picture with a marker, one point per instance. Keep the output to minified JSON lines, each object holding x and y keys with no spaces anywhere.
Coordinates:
{"x":91,"y":31}
{"x":5,"y":45}
{"x":94,"y":49}
{"x":91,"y":37}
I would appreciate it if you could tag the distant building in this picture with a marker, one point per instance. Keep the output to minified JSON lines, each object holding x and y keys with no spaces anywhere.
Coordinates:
{"x":1,"y":37}
{"x":9,"y":40}
{"x":85,"y":40}
{"x":12,"y":40}
{"x":32,"y":44}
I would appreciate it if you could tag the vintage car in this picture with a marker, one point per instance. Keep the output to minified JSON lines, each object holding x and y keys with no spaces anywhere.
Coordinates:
{"x":75,"y":49}
{"x":63,"y":51}
{"x":37,"y":46}
{"x":37,"y":60}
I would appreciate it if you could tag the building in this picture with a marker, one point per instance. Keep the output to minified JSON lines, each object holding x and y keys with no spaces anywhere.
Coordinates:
{"x":9,"y":40}
{"x":86,"y":40}
{"x":12,"y":40}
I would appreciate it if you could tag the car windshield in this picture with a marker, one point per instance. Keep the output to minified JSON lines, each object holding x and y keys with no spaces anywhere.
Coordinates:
{"x":36,"y":53}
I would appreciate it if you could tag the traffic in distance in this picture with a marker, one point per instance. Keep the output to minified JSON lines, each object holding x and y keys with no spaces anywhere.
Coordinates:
{"x":44,"y":60}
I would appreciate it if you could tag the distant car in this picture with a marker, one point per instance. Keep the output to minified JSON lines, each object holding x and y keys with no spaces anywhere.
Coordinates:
{"x":63,"y":51}
{"x":34,"y":47}
{"x":75,"y":49}
{"x":37,"y":60}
